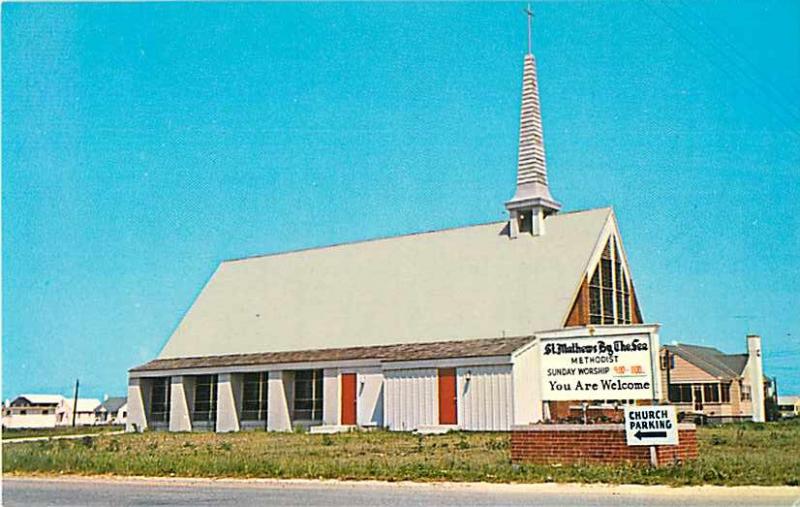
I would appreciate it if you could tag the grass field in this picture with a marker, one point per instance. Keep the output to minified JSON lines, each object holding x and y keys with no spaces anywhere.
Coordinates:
{"x":736,"y":454}
{"x":10,"y":434}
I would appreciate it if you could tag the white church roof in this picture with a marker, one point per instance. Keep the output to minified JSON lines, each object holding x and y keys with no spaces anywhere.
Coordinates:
{"x":455,"y":284}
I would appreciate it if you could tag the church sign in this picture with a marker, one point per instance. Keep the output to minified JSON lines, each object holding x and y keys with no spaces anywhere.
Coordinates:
{"x":604,"y":366}
{"x":651,"y":425}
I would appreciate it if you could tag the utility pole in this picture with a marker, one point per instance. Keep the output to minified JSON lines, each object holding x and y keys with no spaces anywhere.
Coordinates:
{"x":669,"y":378}
{"x":75,"y":401}
{"x":775,"y":409}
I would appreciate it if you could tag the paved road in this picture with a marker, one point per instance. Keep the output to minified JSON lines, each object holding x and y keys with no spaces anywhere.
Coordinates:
{"x":129,"y":492}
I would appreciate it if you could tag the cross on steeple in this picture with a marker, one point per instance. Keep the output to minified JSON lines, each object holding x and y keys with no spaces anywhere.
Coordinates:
{"x":529,"y":12}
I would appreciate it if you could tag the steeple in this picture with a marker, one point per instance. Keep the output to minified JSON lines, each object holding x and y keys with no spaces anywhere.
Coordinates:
{"x":532,"y":201}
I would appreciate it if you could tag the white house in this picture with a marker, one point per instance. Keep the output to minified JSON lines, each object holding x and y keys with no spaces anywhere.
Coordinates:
{"x":114,"y":410}
{"x":32,"y":411}
{"x":84,"y":414}
{"x":423,"y":331}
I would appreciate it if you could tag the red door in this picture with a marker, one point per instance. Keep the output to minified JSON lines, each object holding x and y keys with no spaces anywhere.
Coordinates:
{"x":448,"y":413}
{"x":348,"y":398}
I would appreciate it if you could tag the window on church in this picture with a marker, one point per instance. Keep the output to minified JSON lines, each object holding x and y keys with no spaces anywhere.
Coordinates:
{"x":626,"y":300}
{"x":609,"y":290}
{"x":308,"y":395}
{"x":595,"y":306}
{"x":159,"y":400}
{"x":526,"y":222}
{"x":205,"y":399}
{"x":254,"y":396}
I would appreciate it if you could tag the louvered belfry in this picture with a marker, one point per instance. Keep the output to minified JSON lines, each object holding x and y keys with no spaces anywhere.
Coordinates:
{"x":532,"y":201}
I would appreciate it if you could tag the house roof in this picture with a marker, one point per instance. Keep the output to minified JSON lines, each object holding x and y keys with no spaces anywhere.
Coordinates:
{"x":84,"y":404}
{"x":711,"y":360}
{"x":384,"y":353}
{"x":41,"y":399}
{"x":435,"y":286}
{"x":112,"y":404}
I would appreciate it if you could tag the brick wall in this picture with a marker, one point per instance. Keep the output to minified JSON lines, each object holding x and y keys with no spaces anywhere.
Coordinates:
{"x":594,"y":443}
{"x":571,"y":412}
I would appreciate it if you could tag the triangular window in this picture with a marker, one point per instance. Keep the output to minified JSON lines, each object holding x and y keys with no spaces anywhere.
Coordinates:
{"x":609,"y":290}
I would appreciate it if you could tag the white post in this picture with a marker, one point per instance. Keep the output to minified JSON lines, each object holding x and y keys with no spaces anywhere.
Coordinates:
{"x":330,"y":397}
{"x":137,"y":415}
{"x":513,"y":224}
{"x":229,"y":389}
{"x":278,"y":418}
{"x":181,"y":401}
{"x":537,"y":221}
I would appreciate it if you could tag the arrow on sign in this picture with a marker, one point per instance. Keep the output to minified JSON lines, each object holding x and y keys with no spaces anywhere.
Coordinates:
{"x":650,"y":434}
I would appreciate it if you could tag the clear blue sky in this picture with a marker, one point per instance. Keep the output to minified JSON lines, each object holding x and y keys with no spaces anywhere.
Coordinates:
{"x":144,"y":143}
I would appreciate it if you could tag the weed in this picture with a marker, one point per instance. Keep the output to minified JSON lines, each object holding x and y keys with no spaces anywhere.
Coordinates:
{"x":733,"y":454}
{"x":113,"y":445}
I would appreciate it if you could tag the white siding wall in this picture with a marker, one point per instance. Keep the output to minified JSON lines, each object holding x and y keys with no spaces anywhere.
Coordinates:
{"x":527,"y":389}
{"x":411,"y":398}
{"x":30,"y":420}
{"x":485,"y":400}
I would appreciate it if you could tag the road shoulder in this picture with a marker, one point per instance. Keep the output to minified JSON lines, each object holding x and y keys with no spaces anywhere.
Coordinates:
{"x":623,"y":489}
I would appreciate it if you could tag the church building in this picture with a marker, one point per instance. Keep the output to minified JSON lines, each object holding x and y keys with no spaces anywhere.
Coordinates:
{"x":429,"y":331}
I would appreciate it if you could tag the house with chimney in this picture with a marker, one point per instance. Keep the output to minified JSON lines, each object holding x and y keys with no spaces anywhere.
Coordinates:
{"x":428,"y":331}
{"x":703,"y":382}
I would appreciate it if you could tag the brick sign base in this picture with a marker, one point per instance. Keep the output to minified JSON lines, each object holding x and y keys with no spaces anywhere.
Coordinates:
{"x":594,"y":443}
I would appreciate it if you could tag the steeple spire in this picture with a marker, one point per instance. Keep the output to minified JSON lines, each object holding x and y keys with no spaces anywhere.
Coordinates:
{"x":532,"y":201}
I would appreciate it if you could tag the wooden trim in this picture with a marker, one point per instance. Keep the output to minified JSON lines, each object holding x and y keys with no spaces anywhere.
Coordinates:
{"x":579,"y":315}
{"x":636,"y":313}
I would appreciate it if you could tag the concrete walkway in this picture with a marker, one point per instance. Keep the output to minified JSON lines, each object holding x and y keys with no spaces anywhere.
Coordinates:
{"x":59,"y":437}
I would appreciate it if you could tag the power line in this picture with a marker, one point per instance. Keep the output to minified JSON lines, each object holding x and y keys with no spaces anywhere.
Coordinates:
{"x":720,"y":37}
{"x":772,"y":106}
{"x":737,"y":57}
{"x":758,"y":98}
